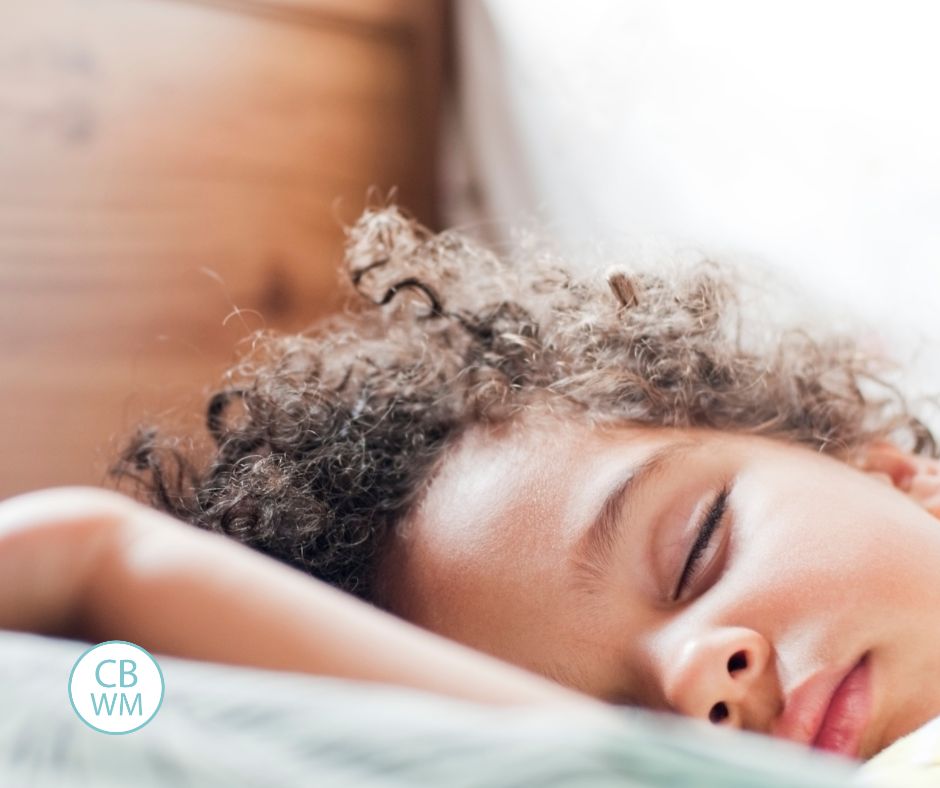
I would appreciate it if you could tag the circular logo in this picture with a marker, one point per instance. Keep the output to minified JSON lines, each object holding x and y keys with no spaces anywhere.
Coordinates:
{"x":116,"y":687}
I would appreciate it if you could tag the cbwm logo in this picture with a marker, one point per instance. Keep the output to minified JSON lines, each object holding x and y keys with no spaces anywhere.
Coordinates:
{"x":116,"y":687}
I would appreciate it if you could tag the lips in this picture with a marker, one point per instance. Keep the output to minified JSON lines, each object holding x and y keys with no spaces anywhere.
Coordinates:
{"x":830,"y":710}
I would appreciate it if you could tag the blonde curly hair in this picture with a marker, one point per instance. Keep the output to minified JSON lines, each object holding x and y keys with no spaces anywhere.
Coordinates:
{"x":341,"y":427}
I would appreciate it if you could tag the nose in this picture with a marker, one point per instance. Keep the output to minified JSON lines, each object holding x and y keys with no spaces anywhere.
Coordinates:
{"x":722,"y":676}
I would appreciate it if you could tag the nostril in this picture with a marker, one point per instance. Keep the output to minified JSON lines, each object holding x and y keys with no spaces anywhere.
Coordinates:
{"x":718,"y":713}
{"x":737,"y":662}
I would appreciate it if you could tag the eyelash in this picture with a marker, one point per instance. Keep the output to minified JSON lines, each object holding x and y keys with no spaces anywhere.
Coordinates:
{"x":706,"y":530}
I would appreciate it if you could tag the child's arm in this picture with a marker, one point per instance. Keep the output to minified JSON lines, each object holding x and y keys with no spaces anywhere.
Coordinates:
{"x":87,"y":563}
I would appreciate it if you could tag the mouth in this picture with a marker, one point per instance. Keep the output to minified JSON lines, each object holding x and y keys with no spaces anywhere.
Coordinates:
{"x":830,"y":711}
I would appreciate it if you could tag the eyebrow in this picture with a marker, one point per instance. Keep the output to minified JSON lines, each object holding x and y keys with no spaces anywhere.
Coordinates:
{"x":595,"y":548}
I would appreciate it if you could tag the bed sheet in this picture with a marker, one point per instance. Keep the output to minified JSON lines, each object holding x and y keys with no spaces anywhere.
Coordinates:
{"x":230,"y":726}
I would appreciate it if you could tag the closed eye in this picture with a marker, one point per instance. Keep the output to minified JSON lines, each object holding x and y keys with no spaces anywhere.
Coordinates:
{"x":704,"y":533}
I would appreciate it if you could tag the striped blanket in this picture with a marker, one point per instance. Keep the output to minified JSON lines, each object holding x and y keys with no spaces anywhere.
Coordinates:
{"x":228,"y":726}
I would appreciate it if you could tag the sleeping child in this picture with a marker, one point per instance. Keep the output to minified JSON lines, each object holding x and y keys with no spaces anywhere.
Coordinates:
{"x":530,"y":487}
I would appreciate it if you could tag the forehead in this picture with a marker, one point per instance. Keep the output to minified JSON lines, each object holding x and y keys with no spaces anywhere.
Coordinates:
{"x":527,"y":482}
{"x":501,"y":518}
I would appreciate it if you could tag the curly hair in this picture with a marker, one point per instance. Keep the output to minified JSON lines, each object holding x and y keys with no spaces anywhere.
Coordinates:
{"x":339,"y":429}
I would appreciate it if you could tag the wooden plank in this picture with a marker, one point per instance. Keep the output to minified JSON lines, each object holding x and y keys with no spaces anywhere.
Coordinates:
{"x":181,"y":272}
{"x":172,"y":176}
{"x":376,"y":17}
{"x":70,"y":425}
{"x":148,"y":89}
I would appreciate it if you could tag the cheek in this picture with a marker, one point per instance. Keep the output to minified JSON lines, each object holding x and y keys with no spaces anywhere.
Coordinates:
{"x":797,"y":551}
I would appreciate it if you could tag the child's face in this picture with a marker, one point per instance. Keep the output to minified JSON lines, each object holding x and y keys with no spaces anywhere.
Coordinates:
{"x":817,"y":572}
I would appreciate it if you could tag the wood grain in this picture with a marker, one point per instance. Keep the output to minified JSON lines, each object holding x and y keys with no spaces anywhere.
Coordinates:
{"x":172,"y":176}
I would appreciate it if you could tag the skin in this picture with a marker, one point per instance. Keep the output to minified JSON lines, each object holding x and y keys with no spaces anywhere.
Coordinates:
{"x":92,"y":565}
{"x":818,"y":561}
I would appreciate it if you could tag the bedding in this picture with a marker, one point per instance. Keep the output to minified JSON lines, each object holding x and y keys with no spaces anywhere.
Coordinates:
{"x":231,"y":726}
{"x":912,"y":761}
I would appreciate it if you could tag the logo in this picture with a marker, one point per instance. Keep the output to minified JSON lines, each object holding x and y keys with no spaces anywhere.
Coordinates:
{"x":116,"y":687}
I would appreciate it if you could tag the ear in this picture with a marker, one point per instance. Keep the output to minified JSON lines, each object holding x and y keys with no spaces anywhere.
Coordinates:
{"x":913,"y":474}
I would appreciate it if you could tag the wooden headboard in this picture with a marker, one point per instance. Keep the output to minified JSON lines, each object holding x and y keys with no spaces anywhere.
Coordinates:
{"x":174,"y":175}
